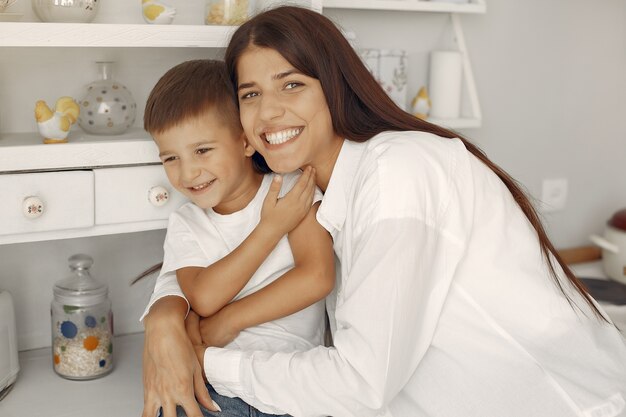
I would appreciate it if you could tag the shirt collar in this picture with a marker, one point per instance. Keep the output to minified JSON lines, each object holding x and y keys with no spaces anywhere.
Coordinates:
{"x":332,"y":212}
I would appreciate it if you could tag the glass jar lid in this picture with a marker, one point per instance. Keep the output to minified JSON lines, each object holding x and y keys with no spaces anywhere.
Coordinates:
{"x":80,"y":289}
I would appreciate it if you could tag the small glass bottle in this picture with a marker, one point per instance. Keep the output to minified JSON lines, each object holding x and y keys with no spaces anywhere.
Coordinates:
{"x":228,"y":12}
{"x":82,"y":324}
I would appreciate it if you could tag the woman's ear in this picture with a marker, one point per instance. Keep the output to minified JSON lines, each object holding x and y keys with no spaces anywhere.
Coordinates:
{"x":247,"y":148}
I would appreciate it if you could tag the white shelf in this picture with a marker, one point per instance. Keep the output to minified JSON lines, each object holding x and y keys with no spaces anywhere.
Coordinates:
{"x":38,"y":391}
{"x":477,"y":6}
{"x":35,"y":34}
{"x":26,"y":151}
{"x":97,"y":230}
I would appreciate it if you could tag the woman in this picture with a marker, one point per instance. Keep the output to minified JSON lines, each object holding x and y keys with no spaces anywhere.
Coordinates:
{"x":451,"y":301}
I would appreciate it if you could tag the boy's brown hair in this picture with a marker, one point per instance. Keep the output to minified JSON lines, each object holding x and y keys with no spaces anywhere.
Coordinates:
{"x":187,"y":91}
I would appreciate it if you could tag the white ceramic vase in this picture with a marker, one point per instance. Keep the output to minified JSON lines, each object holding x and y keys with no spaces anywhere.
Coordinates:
{"x":107,"y":107}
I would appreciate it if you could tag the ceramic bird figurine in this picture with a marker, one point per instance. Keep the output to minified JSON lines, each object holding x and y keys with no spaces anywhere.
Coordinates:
{"x":54,"y":125}
{"x":157,"y":12}
{"x":420,"y":104}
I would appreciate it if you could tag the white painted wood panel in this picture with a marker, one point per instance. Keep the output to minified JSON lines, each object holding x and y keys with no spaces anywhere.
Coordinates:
{"x":67,"y":197}
{"x":113,"y":35}
{"x":122,"y":195}
{"x":474,"y":6}
{"x":26,"y":152}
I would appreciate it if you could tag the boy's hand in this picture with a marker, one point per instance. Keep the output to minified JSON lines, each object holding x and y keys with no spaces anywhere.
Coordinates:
{"x":192,"y":325}
{"x":284,"y":214}
{"x":217,"y":330}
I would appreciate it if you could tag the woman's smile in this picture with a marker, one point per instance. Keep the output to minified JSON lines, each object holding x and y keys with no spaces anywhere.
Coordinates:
{"x":284,"y":112}
{"x":282,"y":136}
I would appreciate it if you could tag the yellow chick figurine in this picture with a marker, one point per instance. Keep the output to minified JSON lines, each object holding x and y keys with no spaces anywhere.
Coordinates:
{"x":420,"y":104}
{"x":157,"y":12}
{"x":55,"y":125}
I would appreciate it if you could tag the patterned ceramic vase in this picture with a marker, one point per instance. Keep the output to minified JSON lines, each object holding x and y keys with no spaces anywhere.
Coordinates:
{"x":107,"y":107}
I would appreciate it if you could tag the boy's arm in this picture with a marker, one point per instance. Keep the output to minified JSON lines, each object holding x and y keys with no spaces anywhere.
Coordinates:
{"x":311,"y":279}
{"x":225,"y":278}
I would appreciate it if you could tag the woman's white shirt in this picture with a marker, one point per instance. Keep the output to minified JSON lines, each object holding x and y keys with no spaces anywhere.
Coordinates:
{"x":445,"y":306}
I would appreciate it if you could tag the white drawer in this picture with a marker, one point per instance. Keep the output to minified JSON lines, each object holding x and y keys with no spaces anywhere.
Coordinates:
{"x":123,"y":194}
{"x":66,"y":197}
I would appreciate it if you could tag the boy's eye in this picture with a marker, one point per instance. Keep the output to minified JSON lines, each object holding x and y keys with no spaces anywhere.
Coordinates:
{"x":169,"y":159}
{"x":203,"y":150}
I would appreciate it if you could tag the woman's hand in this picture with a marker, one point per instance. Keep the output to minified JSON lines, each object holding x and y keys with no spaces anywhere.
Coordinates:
{"x":218,"y":330}
{"x":282,"y":215}
{"x":171,"y":372}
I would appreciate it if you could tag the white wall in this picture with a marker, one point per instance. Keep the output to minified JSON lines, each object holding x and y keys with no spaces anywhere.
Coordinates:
{"x":551,"y":77}
{"x":554,"y":98}
{"x":552,"y":82}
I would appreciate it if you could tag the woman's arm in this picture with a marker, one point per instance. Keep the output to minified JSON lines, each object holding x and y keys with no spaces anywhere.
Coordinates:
{"x":171,"y":372}
{"x":311,"y":279}
{"x":386,"y":313}
{"x":226,"y":277}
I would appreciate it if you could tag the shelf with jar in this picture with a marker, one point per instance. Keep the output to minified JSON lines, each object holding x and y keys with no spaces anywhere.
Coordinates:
{"x":112,"y":26}
{"x":37,"y":34}
{"x":448,"y":96}
{"x":105,"y":170}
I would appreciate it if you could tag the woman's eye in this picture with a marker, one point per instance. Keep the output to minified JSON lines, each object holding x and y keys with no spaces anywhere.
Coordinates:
{"x":249,"y":95}
{"x":292,"y":85}
{"x":169,"y":159}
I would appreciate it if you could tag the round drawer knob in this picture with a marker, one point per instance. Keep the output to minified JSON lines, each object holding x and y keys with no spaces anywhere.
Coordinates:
{"x":158,"y":196}
{"x":32,"y":207}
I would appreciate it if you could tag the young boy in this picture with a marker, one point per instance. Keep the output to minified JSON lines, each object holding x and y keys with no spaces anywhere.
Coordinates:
{"x":228,"y":249}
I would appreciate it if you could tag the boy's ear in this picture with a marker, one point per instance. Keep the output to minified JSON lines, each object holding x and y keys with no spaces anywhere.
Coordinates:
{"x":248,"y":149}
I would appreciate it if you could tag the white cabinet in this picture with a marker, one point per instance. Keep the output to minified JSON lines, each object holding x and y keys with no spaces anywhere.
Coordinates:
{"x":101,"y":185}
{"x":133,"y":194}
{"x":39,"y":202}
{"x":90,"y":186}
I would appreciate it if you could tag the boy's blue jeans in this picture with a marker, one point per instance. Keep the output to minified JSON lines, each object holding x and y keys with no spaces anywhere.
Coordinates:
{"x":231,"y":407}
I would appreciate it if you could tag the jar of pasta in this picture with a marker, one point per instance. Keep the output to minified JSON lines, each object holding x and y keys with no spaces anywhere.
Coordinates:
{"x":82,"y":324}
{"x":228,"y":12}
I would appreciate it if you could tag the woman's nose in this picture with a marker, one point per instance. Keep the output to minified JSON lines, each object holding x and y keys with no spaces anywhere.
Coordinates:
{"x":271,"y":107}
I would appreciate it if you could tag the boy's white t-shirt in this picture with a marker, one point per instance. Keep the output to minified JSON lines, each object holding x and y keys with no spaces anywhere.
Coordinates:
{"x":198,"y":237}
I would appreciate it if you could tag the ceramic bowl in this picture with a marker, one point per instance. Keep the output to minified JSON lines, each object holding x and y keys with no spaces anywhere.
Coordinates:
{"x":66,"y":11}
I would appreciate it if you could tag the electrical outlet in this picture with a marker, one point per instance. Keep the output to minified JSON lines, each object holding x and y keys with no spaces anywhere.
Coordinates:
{"x":553,"y":194}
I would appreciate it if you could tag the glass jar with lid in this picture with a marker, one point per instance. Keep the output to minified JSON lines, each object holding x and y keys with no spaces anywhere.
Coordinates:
{"x":228,"y":12}
{"x":82,"y":324}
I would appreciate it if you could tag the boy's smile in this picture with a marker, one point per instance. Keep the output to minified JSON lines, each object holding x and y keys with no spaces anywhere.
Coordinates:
{"x":209,"y":163}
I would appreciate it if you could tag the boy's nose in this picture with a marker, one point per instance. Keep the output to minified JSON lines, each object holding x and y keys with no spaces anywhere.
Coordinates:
{"x":189,"y":171}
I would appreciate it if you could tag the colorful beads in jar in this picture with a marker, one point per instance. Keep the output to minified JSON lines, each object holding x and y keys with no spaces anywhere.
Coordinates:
{"x":82,"y":324}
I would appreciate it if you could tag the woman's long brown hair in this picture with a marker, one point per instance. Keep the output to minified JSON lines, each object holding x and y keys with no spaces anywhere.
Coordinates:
{"x":359,"y":107}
